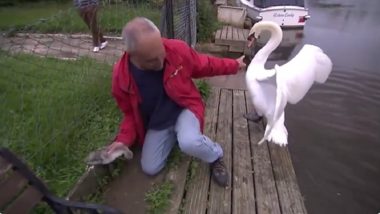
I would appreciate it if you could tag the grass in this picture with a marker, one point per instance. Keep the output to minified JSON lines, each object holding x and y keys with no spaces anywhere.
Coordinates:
{"x":207,"y":22}
{"x":175,"y":158}
{"x":28,"y":13}
{"x":54,"y":113}
{"x":192,"y":170}
{"x":50,"y":17}
{"x":204,"y":88}
{"x":112,"y":18}
{"x":158,"y":198}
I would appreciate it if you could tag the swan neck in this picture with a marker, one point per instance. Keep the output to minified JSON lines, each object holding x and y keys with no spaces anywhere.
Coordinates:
{"x":274,"y":41}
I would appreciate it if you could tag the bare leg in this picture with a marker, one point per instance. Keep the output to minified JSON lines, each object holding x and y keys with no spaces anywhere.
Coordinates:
{"x":94,"y":26}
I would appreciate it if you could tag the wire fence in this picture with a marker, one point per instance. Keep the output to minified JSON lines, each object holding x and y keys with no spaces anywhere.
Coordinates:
{"x":55,"y":102}
{"x":179,"y":20}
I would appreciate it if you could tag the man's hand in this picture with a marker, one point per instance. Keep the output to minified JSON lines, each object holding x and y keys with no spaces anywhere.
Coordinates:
{"x":106,"y":155}
{"x":241,"y":62}
{"x":114,"y":147}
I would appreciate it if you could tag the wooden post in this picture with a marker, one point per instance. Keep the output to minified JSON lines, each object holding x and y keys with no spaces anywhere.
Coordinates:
{"x":169,"y":19}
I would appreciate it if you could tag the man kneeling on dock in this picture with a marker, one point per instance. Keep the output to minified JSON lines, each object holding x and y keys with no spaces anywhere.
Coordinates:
{"x":152,"y":85}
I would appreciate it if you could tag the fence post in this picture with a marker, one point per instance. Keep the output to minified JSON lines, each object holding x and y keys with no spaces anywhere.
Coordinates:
{"x":169,"y":19}
{"x":188,"y":22}
{"x":193,"y":22}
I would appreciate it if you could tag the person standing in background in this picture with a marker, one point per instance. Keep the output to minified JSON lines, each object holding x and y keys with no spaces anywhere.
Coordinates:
{"x":88,"y":12}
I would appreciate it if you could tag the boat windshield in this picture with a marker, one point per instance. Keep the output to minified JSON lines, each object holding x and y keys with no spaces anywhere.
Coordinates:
{"x":270,"y":3}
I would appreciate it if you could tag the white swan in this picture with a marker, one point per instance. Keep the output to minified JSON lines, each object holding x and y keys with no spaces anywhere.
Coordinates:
{"x":270,"y":90}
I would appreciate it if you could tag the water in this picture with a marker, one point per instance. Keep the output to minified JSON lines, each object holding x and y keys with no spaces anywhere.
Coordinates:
{"x":334,"y":132}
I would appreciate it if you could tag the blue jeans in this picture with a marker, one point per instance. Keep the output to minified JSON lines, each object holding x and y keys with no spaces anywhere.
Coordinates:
{"x":186,"y":131}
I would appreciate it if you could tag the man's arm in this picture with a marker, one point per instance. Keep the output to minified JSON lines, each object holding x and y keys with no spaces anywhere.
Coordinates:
{"x":127,"y":130}
{"x":206,"y":66}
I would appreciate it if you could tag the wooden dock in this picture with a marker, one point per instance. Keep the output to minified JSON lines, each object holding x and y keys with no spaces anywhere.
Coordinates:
{"x":262,"y":177}
{"x":233,"y":37}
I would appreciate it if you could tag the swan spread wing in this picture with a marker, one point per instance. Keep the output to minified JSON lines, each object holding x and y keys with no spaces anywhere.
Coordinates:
{"x":293,"y":81}
{"x":265,"y":75}
{"x":299,"y":74}
{"x":275,"y":113}
{"x":262,"y":91}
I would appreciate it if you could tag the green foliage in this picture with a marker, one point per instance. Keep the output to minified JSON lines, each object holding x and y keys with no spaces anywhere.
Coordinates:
{"x":207,"y":21}
{"x":28,"y":13}
{"x":204,"y":88}
{"x":54,"y":113}
{"x":64,"y":18}
{"x":158,"y":198}
{"x":175,"y":157}
{"x":192,"y":170}
{"x":8,"y":3}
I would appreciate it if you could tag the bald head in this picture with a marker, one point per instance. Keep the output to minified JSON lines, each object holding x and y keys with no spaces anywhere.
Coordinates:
{"x":135,"y":29}
{"x":144,"y":44}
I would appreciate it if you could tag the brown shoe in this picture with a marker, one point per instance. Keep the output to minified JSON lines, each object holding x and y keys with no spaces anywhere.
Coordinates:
{"x":219,"y":172}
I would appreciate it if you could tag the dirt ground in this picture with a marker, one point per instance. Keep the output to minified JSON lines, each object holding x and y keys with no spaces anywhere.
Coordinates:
{"x":127,"y":191}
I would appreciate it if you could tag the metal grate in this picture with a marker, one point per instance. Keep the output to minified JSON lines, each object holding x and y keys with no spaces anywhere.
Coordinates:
{"x":179,"y":21}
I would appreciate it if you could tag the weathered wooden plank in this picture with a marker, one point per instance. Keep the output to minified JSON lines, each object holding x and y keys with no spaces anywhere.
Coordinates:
{"x":211,"y":48}
{"x":177,"y":176}
{"x":239,"y":44}
{"x":25,"y":202}
{"x":10,"y":187}
{"x":220,"y":198}
{"x":241,"y":34}
{"x":236,"y":49}
{"x":232,"y":36}
{"x":220,"y":2}
{"x":230,"y":33}
{"x":235,"y":34}
{"x":218,"y":37}
{"x":224,"y":33}
{"x":197,"y":189}
{"x":245,"y":33}
{"x":266,"y":192}
{"x":243,"y":187}
{"x":291,"y":200}
{"x":235,"y":38}
{"x":238,"y":32}
{"x":238,"y":39}
{"x":218,"y":34}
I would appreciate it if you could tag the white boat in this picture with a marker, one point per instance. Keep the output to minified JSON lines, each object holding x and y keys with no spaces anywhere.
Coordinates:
{"x":287,"y":13}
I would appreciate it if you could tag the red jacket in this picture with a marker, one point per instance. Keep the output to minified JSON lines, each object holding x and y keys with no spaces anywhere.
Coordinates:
{"x":182,"y":64}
